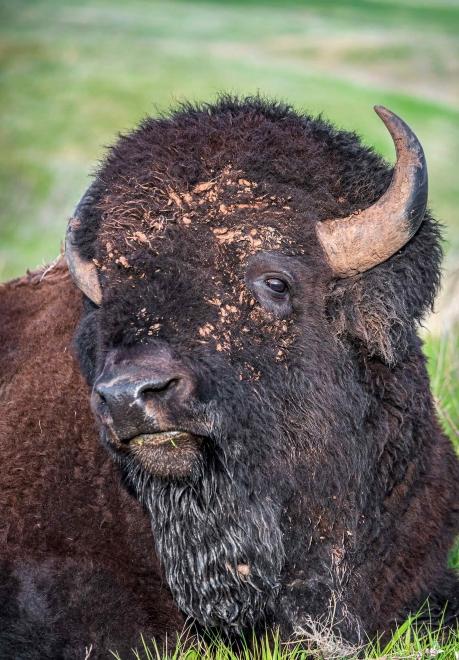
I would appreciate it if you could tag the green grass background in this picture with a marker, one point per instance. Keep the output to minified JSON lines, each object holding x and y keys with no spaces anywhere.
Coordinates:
{"x":74,"y":73}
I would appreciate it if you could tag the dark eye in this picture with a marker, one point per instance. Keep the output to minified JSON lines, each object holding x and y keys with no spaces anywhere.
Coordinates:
{"x":276,"y":285}
{"x":271,"y":279}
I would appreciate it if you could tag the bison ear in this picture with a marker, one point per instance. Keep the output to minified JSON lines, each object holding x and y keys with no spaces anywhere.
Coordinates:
{"x":83,"y":271}
{"x":380,"y":311}
{"x":372,"y":313}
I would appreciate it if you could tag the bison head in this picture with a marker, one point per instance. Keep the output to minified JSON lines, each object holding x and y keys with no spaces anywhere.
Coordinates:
{"x":242,"y":267}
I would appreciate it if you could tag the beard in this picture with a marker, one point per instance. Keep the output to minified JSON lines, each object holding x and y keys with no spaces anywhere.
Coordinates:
{"x":218,"y":537}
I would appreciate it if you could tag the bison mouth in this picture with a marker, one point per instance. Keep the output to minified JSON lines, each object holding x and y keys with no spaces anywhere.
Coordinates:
{"x":171,"y":453}
{"x":174,"y":438}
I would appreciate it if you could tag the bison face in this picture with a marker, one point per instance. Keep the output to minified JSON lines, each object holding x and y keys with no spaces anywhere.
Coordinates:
{"x":220,"y":383}
{"x":211,"y":324}
{"x":193,"y":350}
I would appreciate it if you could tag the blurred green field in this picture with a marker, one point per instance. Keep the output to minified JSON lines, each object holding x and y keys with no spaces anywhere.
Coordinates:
{"x":75,"y":73}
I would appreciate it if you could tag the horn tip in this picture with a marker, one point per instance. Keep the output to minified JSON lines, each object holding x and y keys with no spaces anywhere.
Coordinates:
{"x":382,"y":111}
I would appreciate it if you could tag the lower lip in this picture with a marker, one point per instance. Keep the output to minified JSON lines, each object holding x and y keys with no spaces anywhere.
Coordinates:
{"x":172,"y":438}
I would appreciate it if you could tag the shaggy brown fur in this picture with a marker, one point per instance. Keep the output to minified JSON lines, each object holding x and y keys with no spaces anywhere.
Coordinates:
{"x":75,"y":547}
{"x":316,"y":482}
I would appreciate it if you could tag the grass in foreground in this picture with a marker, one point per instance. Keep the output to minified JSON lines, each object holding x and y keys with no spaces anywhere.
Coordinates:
{"x":410,"y":641}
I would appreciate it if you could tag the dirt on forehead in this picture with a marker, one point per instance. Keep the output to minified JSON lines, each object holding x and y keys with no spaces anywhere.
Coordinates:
{"x":249,"y":173}
{"x":228,"y":169}
{"x":227,"y":210}
{"x":181,"y":204}
{"x":207,"y":231}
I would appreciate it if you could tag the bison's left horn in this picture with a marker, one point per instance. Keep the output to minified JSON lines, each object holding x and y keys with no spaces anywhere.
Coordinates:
{"x":83,"y":271}
{"x":367,"y":238}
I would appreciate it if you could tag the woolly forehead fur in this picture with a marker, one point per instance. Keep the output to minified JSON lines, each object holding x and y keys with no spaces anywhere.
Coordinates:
{"x":185,"y":200}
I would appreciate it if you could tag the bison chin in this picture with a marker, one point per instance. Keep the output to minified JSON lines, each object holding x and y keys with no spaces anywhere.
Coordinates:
{"x":172,"y":454}
{"x":219,"y":542}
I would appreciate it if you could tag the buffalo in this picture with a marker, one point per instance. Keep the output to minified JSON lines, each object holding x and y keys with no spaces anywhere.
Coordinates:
{"x":249,"y":286}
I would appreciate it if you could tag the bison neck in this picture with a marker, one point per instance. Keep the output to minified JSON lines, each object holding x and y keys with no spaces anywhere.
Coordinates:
{"x":378,"y":512}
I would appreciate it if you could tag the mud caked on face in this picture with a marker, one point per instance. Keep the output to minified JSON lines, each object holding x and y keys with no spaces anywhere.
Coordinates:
{"x":216,"y":265}
{"x":221,"y":251}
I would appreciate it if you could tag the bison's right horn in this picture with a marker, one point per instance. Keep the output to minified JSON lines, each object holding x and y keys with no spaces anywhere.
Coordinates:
{"x":365,"y":239}
{"x":83,"y":271}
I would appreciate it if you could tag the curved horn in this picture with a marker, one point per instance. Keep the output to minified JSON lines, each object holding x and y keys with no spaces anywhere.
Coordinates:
{"x":83,"y":272}
{"x":367,"y":238}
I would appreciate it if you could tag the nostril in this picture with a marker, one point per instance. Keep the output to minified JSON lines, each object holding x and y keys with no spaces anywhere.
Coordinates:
{"x":101,"y":397}
{"x":100,"y":404}
{"x":159,"y":388}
